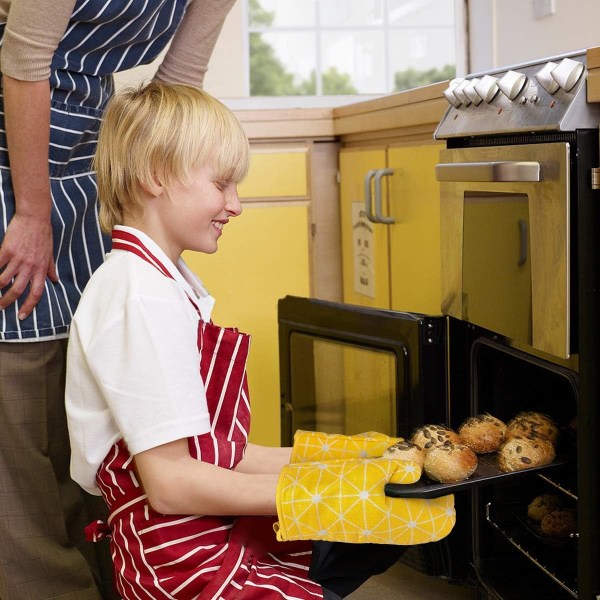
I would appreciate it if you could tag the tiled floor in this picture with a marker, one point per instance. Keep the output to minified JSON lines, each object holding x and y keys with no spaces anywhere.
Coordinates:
{"x":403,"y":583}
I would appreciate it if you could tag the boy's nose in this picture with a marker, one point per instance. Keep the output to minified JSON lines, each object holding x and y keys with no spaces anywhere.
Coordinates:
{"x":233,"y":204}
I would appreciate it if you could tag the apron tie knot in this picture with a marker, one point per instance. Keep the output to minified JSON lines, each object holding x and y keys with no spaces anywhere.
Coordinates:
{"x":96,"y":531}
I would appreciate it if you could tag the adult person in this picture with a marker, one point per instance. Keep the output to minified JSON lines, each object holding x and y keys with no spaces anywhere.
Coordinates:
{"x":57,"y":61}
{"x":158,"y":404}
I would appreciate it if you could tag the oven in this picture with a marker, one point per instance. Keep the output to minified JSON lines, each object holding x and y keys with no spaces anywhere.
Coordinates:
{"x":520,"y":328}
{"x":519,"y":270}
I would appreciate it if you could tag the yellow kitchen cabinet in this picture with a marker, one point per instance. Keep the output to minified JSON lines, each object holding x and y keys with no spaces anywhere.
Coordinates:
{"x":365,"y":245}
{"x":276,"y":174}
{"x":392,"y":265}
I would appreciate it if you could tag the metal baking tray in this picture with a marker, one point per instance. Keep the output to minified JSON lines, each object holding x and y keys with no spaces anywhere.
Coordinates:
{"x":487,"y":472}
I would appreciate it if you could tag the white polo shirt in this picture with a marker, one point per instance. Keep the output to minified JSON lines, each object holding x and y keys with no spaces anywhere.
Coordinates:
{"x":133,"y":361}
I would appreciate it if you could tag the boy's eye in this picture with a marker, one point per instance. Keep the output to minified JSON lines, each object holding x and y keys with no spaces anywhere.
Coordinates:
{"x":221,"y":185}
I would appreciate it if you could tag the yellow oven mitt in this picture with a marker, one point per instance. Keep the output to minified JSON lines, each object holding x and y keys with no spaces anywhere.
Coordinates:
{"x":344,"y":501}
{"x":314,"y":445}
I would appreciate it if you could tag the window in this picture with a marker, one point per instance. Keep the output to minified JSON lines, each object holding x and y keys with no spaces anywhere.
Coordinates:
{"x":347,"y":47}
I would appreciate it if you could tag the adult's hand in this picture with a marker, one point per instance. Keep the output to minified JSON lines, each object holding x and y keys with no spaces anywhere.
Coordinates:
{"x":26,"y":258}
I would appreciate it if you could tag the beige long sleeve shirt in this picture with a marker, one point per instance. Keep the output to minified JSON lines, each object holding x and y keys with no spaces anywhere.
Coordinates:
{"x":34,"y":29}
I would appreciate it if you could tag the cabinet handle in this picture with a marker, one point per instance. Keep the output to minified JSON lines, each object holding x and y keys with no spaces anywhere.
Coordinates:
{"x":370,"y":174}
{"x":495,"y":171}
{"x":379,"y":216}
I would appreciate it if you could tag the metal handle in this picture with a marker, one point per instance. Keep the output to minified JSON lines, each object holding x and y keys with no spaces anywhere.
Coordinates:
{"x":379,"y":216}
{"x":496,"y":171}
{"x":370,"y":174}
{"x":522,"y":242}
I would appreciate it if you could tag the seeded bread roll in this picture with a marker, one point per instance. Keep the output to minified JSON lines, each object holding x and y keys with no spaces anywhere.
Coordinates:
{"x":532,"y":422}
{"x":483,"y":433}
{"x":559,"y":523}
{"x":405,"y":450}
{"x":523,"y":452}
{"x":429,"y":436}
{"x":451,"y":463}
{"x":543,"y":505}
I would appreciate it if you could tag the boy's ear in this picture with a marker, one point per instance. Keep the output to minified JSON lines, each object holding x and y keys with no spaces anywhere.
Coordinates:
{"x":154,"y":186}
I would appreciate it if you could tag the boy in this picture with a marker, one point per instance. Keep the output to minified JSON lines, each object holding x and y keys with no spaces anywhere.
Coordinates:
{"x":157,"y":397}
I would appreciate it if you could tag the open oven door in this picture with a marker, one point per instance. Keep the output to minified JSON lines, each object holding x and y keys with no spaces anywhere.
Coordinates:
{"x":349,"y":369}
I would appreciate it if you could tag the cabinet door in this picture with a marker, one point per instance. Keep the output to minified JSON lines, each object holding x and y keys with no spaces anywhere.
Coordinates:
{"x":263,"y":256}
{"x":364,"y":244}
{"x":415,"y":254}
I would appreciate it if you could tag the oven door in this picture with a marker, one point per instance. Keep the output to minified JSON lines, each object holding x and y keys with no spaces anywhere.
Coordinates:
{"x":505,"y":228}
{"x":349,"y":369}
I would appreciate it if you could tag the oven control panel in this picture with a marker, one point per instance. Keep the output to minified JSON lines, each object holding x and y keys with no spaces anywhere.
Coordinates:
{"x":546,"y":95}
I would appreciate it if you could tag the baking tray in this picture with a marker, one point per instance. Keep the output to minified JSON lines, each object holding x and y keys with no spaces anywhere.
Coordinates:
{"x":487,"y":472}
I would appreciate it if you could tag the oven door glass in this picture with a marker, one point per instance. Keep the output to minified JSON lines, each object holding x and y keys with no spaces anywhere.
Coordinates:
{"x":342,"y":388}
{"x":505,"y":235}
{"x":349,"y":369}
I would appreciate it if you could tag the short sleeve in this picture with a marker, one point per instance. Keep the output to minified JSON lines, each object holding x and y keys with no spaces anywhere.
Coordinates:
{"x":146,"y":365}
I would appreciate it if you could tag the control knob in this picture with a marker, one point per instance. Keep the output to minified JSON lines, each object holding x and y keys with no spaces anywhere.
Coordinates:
{"x":471,"y":93}
{"x":567,"y":73}
{"x":449,"y":93}
{"x":459,"y":92}
{"x":487,"y":88}
{"x":545,"y":79}
{"x":511,"y":84}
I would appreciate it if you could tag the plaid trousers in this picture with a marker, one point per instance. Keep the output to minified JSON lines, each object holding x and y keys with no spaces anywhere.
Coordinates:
{"x":42,"y":511}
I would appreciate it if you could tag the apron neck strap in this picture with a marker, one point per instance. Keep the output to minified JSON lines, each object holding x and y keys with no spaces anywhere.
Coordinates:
{"x":123,"y":240}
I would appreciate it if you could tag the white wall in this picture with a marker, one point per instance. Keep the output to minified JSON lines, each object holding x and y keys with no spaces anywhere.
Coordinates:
{"x":507,"y":32}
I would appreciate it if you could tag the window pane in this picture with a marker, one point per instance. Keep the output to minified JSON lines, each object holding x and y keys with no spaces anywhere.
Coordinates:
{"x":276,"y":66}
{"x":421,"y":56}
{"x":349,"y":13}
{"x":353,"y":58}
{"x":281,"y":13}
{"x":421,"y":13}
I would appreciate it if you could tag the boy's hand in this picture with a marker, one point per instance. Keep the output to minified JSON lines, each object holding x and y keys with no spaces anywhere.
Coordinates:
{"x":344,"y":501}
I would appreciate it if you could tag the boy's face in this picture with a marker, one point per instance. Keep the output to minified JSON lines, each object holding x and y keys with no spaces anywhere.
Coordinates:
{"x":197,"y":211}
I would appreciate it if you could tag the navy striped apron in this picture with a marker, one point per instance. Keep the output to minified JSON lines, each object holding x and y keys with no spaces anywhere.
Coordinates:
{"x":103,"y":37}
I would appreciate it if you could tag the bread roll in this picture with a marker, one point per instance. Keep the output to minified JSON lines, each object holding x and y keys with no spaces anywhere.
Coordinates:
{"x":483,"y":433}
{"x":450,"y":463}
{"x":543,"y":505}
{"x":429,"y":436}
{"x":524,"y":452}
{"x":533,"y":422}
{"x":559,"y":523}
{"x":405,"y":450}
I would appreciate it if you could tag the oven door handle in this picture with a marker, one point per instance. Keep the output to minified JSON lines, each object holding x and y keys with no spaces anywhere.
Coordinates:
{"x":494,"y":171}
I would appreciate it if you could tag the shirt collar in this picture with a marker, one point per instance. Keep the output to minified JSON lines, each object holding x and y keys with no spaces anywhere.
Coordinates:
{"x":180,"y":272}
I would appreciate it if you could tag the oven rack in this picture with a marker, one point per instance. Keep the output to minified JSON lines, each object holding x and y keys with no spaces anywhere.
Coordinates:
{"x":561,"y":486}
{"x":510,"y":531}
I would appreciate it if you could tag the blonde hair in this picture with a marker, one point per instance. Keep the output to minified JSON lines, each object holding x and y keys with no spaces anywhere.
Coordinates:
{"x":162,"y":131}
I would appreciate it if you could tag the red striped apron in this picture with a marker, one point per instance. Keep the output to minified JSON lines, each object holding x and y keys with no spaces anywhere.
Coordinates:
{"x":187,"y":557}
